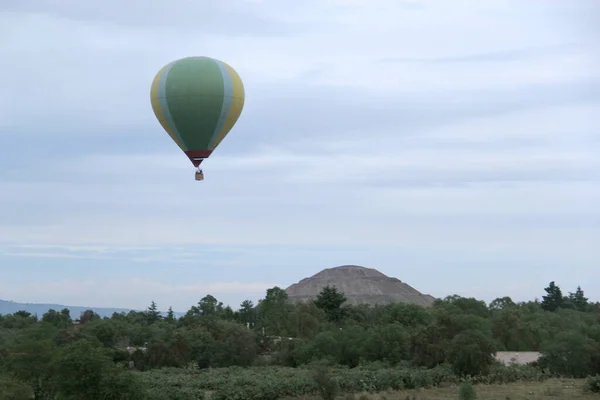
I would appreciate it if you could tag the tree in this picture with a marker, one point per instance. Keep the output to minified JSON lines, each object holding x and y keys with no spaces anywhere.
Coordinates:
{"x":58,"y":319}
{"x":570,"y":354}
{"x":428,"y":346}
{"x":85,"y":371}
{"x":471,"y":353}
{"x":153,"y":313}
{"x":209,"y":306}
{"x":57,"y":360}
{"x":23,"y":314}
{"x":170,"y":315}
{"x":247,"y":313}
{"x":579,"y":300}
{"x":87,"y":316}
{"x":388,"y":342}
{"x":103,"y":330}
{"x":30,"y":362}
{"x":501,"y":303}
{"x":468,"y":305}
{"x":274,"y":311}
{"x":330,"y":301}
{"x":554,"y":298}
{"x":305,"y":320}
{"x":228,"y":314}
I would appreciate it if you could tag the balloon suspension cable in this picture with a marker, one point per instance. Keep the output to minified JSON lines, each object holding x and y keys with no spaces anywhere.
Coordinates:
{"x":199,"y":175}
{"x":198,"y":168}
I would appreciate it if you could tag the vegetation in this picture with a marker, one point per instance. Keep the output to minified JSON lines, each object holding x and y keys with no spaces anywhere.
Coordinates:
{"x":319,"y":349}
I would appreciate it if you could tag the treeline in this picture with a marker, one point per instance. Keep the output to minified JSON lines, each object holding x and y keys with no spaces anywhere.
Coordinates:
{"x":57,"y":357}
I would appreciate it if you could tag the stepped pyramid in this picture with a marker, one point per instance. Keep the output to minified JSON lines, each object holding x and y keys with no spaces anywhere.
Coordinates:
{"x":360,"y":285}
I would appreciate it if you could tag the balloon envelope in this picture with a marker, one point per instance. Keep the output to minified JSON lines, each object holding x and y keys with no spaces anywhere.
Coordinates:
{"x":197,"y":100}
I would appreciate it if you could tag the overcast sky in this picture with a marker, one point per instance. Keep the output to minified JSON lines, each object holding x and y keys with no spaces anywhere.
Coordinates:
{"x":454,"y":145}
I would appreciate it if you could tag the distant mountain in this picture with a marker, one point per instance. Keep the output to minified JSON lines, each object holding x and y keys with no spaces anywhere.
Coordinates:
{"x":360,"y":285}
{"x":10,"y":307}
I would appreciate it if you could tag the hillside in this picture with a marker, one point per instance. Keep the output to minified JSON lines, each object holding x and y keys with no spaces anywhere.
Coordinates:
{"x":360,"y":285}
{"x":10,"y":307}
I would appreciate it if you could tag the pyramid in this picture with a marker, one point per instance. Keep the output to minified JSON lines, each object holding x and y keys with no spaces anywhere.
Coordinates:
{"x":360,"y":285}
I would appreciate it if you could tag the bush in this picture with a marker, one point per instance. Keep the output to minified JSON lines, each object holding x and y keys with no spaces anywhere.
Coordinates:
{"x":281,"y":382}
{"x":327,"y":386}
{"x":470,"y":353}
{"x":11,"y":389}
{"x":174,"y":393}
{"x":593,"y":383}
{"x":466,"y":392}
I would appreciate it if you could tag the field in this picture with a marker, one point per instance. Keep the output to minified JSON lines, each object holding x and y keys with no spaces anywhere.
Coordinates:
{"x":362,"y":383}
{"x":551,"y":389}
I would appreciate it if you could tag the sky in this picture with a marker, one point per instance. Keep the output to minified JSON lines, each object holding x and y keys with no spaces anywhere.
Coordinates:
{"x":451,"y":144}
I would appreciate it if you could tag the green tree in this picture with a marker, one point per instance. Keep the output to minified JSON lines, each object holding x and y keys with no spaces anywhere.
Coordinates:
{"x":467,"y":305}
{"x":220,"y":343}
{"x":553,"y":299}
{"x":85,"y":371}
{"x":330,"y":300}
{"x":247,"y":313}
{"x":324,"y":346}
{"x":60,"y":319}
{"x":60,"y":360}
{"x":579,"y":300}
{"x":570,"y":353}
{"x":24,"y":314}
{"x":87,"y":316}
{"x":512,"y":331}
{"x":428,"y":346}
{"x":389,"y":343}
{"x":30,"y":362}
{"x":228,"y":314}
{"x":274,"y":311}
{"x":209,"y":306}
{"x":351,"y":345}
{"x":305,"y":320}
{"x":501,"y":303}
{"x":170,"y":315}
{"x":103,"y":330}
{"x":471,"y":353}
{"x":153,"y":313}
{"x":19,"y":320}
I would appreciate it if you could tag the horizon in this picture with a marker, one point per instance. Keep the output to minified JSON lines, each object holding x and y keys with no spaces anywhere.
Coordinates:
{"x":164,"y":309}
{"x":450,"y":145}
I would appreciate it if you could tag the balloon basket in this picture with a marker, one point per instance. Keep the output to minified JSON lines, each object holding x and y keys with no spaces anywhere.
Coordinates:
{"x":199,"y":175}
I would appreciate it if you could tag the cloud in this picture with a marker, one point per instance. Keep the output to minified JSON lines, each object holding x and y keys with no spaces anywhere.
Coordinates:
{"x":485,"y":169}
{"x":226,"y":17}
{"x":135,"y":254}
{"x":504,"y":56}
{"x":405,"y":136}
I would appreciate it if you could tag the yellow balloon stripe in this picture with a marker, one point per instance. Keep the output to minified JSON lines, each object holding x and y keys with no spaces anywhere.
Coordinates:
{"x":158,"y":111}
{"x":237,"y":105}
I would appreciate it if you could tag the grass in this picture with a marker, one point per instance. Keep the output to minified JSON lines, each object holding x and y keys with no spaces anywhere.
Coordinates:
{"x":551,"y":389}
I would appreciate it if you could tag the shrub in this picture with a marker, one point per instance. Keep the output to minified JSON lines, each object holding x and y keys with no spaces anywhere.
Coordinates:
{"x":593,"y":383}
{"x":327,"y":385}
{"x":280,"y":382}
{"x":466,"y":392}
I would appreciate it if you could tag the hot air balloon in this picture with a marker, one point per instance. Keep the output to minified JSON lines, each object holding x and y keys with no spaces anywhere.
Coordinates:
{"x":197,"y":100}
